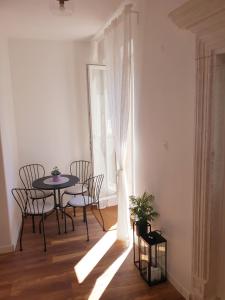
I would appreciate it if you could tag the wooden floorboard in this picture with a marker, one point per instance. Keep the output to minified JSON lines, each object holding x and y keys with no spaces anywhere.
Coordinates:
{"x":34,"y":274}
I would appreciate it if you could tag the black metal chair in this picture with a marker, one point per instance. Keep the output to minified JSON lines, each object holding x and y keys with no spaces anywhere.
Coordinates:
{"x":32,"y":202}
{"x":83,"y":170}
{"x":91,"y":189}
{"x":28,"y":174}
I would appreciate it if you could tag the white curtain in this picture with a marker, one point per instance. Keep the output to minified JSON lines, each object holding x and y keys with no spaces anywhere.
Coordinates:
{"x":117,"y":45}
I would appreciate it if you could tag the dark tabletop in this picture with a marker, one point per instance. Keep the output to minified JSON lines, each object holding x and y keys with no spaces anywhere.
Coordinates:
{"x":39,"y":183}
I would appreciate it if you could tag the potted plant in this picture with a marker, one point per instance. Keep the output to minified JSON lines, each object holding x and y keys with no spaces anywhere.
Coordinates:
{"x":56,"y":174}
{"x":142,"y":211}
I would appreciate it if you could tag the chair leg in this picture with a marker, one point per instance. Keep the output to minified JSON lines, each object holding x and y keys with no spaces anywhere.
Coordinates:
{"x":72,"y":221}
{"x":73,"y":225}
{"x":84,"y":214}
{"x":74,"y":212}
{"x":40,"y":226}
{"x":65,"y":219}
{"x":103,"y":224}
{"x":69,"y":216}
{"x":33,"y":224}
{"x":45,"y":217}
{"x":21,"y":233}
{"x":57,"y":216}
{"x":84,"y":208}
{"x":43,"y":228}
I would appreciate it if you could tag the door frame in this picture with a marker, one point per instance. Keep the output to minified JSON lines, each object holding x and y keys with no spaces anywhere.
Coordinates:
{"x":90,"y":67}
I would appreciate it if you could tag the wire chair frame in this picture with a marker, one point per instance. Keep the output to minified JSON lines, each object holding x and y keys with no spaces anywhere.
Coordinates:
{"x":93,"y":186}
{"x":31,"y":206}
{"x":29,"y":173}
{"x":91,"y":189}
{"x":28,"y":203}
{"x":81,"y":169}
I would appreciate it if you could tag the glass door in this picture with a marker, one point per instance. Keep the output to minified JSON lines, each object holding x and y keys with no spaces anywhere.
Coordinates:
{"x":101,"y":138}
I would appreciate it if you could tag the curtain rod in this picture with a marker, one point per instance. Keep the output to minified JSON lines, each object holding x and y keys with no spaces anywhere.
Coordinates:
{"x":116,"y":14}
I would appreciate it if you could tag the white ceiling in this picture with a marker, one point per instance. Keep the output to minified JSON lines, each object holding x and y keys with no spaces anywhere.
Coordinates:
{"x":37,"y":19}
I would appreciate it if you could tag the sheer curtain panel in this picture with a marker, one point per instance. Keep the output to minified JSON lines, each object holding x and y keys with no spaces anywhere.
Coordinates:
{"x":118,"y":57}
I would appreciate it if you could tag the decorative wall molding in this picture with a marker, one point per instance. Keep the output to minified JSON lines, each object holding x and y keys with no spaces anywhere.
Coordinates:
{"x":203,"y":165}
{"x":206,"y":19}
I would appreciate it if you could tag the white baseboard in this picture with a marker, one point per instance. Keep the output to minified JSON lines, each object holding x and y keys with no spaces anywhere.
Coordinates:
{"x":16,"y":237}
{"x":185,"y":293}
{"x":6,"y":249}
{"x":11,"y":247}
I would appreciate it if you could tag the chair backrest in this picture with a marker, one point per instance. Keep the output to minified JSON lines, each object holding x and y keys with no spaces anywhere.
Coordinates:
{"x":94,"y":185}
{"x":25,"y":198}
{"x":29,"y":173}
{"x":81,"y":169}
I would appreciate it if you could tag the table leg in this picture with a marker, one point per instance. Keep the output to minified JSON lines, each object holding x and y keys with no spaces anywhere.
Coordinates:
{"x":60,"y":204}
{"x":56,"y":209}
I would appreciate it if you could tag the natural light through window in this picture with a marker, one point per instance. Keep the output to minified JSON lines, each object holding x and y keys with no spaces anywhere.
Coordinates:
{"x":103,"y":281}
{"x":90,"y":260}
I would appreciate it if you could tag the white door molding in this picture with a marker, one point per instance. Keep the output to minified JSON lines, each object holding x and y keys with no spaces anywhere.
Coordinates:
{"x":206,"y":19}
{"x":203,"y":177}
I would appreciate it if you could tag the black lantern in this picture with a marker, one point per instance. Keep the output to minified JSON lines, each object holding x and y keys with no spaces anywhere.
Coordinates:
{"x":150,"y":255}
{"x":136,"y":241}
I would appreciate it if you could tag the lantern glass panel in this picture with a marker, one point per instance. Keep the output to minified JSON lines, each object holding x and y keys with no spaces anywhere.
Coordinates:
{"x":144,"y":259}
{"x":161,"y":259}
{"x":136,"y":242}
{"x":136,"y":247}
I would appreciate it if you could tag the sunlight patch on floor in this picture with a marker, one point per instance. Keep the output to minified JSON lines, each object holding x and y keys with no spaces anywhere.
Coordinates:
{"x":103,"y":281}
{"x":90,"y":260}
{"x":64,"y":257}
{"x":66,"y":240}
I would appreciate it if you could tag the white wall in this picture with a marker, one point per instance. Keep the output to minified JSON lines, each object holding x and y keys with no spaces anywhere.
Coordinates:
{"x":10,"y":218}
{"x":164,"y":130}
{"x":50,"y":96}
{"x":43,"y":115}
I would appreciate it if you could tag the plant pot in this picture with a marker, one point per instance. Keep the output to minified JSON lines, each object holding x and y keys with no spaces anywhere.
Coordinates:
{"x":141,"y":227}
{"x":56,"y":178}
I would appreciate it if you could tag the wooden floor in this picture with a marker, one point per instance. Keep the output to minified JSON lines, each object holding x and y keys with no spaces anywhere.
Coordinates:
{"x":34,"y":274}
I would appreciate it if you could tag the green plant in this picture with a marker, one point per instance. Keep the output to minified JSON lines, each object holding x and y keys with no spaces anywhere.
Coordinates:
{"x":141,"y":208}
{"x":55,"y":171}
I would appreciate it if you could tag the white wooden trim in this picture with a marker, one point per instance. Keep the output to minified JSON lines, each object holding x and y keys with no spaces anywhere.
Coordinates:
{"x":205,"y":18}
{"x":91,"y":67}
{"x":6,"y":249}
{"x":178,"y":286}
{"x":17,"y":236}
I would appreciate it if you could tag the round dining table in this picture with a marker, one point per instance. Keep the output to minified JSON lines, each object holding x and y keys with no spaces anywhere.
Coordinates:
{"x":48,"y":183}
